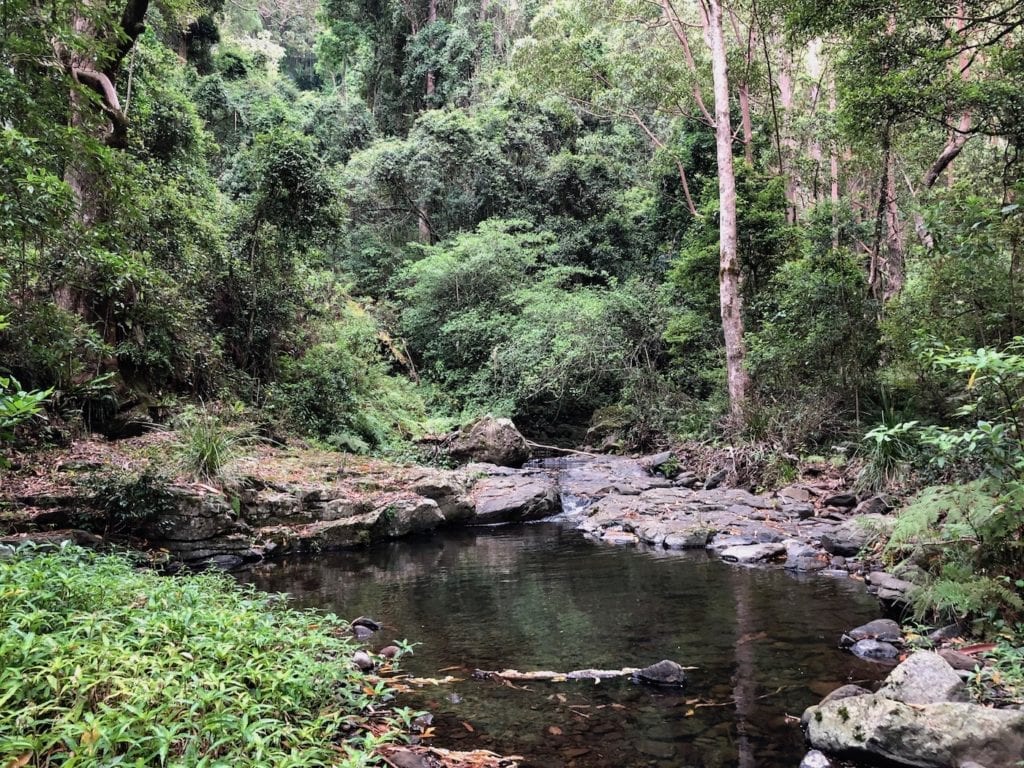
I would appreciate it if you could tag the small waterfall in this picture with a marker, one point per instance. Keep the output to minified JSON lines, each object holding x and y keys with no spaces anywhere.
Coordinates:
{"x":562,"y":467}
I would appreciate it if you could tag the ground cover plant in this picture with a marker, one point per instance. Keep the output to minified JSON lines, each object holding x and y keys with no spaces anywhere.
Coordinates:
{"x":103,"y":664}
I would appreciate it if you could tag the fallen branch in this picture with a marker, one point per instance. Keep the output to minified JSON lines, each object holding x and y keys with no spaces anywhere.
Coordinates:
{"x":564,"y":450}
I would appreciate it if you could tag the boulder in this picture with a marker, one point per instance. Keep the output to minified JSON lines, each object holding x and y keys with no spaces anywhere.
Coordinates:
{"x":493,"y":441}
{"x":873,"y":650}
{"x":924,"y":678}
{"x":875,"y":728}
{"x":849,"y":537}
{"x":665,"y":672}
{"x":874,"y":505}
{"x":449,"y":490}
{"x":405,"y":516}
{"x":885,"y":630}
{"x":514,"y":498}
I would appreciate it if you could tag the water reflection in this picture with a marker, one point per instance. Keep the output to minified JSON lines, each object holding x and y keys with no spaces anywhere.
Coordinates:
{"x":542,"y":597}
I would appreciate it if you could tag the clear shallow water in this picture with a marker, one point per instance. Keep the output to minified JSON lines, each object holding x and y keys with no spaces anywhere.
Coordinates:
{"x":542,"y":597}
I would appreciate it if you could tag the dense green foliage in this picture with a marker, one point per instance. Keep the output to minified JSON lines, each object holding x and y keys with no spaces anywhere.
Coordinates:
{"x":364,"y":219}
{"x":104,"y":664}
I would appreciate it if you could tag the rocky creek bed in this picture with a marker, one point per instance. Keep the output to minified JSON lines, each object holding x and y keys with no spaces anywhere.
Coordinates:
{"x":301,"y":502}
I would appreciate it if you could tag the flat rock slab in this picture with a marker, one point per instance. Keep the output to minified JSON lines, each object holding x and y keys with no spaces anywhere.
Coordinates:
{"x":753,"y":553}
{"x":514,"y":498}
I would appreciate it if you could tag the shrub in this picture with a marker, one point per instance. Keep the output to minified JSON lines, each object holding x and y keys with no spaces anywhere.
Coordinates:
{"x":339,"y":389}
{"x":102,"y":664}
{"x":969,"y":537}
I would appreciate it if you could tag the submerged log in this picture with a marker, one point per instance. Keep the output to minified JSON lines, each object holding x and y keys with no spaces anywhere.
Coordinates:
{"x":554,"y":677}
{"x":663,"y":673}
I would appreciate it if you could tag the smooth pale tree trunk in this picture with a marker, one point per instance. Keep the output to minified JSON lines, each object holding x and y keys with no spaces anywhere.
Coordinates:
{"x":431,"y":18}
{"x":730,"y":298}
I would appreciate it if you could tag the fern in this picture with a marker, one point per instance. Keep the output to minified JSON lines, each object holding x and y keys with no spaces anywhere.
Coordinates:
{"x":967,"y":538}
{"x":965,"y":596}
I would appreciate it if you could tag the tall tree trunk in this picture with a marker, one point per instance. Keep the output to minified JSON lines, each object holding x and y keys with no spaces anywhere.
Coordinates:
{"x":785,"y":81}
{"x":431,"y":18}
{"x":730,"y":298}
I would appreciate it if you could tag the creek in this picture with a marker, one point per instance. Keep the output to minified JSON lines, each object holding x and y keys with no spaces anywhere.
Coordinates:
{"x":542,"y":596}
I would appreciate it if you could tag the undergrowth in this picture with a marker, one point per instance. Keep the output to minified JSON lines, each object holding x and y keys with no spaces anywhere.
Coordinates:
{"x":102,"y":665}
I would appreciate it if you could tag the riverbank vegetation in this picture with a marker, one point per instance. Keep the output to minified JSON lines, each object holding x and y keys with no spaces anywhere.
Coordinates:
{"x":108,"y":664}
{"x":790,"y":226}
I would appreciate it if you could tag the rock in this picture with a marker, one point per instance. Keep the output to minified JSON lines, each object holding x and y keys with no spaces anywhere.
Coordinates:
{"x":362,"y":660}
{"x":874,"y":505}
{"x":799,"y":510}
{"x":219,"y":563}
{"x":889,"y":588}
{"x":362,"y":633}
{"x":654,"y":462}
{"x":616,"y":536}
{"x":6,"y":552}
{"x":388,"y":651}
{"x":800,"y":557}
{"x":796,"y":493}
{"x":514,"y":498}
{"x":491,"y":440}
{"x":404,"y":516}
{"x":686,"y":480}
{"x":815,"y":759}
{"x":845,"y":692}
{"x":947,"y":632}
{"x":849,"y":537}
{"x":695,"y":539}
{"x":960,"y":661}
{"x":449,"y":490}
{"x":365,"y":621}
{"x":842,"y":500}
{"x":715,"y":479}
{"x":665,"y":672}
{"x":873,"y":650}
{"x":885,"y":630}
{"x":939,"y":735}
{"x":753,"y":553}
{"x":924,"y":678}
{"x":400,"y":757}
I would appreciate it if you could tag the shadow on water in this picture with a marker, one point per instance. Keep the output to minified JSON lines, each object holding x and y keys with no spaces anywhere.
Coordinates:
{"x":542,"y":597}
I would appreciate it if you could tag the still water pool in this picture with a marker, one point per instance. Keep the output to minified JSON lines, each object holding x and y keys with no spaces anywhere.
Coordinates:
{"x":543,"y":597}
